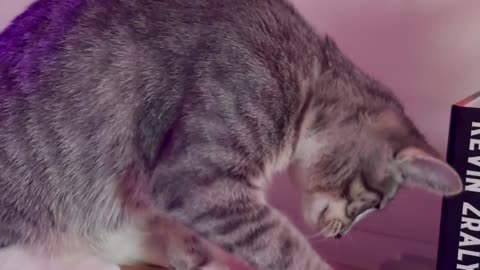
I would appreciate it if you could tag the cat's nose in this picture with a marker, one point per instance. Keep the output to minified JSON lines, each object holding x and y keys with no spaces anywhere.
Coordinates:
{"x":338,"y":236}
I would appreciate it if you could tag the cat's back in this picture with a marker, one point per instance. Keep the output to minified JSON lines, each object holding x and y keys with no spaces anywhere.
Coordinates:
{"x":73,"y":71}
{"x":56,"y":43}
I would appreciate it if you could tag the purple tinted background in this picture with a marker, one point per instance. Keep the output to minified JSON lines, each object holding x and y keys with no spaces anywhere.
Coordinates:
{"x":428,"y":51}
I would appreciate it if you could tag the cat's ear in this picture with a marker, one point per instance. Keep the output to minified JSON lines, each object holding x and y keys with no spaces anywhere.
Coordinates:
{"x":330,"y":43}
{"x":426,"y":172}
{"x":420,"y":165}
{"x":331,"y":51}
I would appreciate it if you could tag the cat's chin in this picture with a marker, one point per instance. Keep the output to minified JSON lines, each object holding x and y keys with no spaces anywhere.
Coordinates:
{"x":358,"y":219}
{"x":337,"y":228}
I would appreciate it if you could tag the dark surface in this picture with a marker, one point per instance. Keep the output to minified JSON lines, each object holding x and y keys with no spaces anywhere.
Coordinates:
{"x":457,"y":156}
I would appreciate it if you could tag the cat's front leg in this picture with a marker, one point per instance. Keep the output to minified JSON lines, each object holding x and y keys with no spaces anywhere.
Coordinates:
{"x":250,"y":230}
{"x":267,"y":241}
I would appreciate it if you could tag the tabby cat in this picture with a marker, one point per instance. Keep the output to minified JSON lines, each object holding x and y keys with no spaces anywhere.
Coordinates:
{"x":120,"y":116}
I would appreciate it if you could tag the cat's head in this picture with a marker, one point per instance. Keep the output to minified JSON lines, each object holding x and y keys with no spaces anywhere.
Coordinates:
{"x":359,"y":149}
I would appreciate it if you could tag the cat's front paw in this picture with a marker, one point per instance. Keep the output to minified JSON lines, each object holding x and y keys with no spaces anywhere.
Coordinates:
{"x":191,"y":253}
{"x":196,"y":252}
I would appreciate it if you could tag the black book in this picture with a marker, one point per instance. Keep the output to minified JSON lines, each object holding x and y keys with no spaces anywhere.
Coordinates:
{"x":459,"y":243}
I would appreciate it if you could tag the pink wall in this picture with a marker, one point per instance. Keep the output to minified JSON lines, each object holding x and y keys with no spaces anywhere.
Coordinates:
{"x":428,"y":51}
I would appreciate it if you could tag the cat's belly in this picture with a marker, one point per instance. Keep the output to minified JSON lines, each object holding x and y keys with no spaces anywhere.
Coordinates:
{"x":16,"y":258}
{"x":125,"y":246}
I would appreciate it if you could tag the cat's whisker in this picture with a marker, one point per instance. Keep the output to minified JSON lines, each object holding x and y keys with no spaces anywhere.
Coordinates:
{"x":315,"y":235}
{"x":350,"y":238}
{"x":318,"y":240}
{"x":322,"y":231}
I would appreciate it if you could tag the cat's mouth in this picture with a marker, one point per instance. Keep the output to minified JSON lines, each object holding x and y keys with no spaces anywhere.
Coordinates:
{"x":337,"y":227}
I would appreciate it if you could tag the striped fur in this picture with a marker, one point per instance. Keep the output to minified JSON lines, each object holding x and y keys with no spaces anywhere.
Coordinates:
{"x":111,"y":110}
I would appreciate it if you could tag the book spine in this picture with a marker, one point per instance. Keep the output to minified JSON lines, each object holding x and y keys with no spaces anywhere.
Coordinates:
{"x":459,"y":240}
